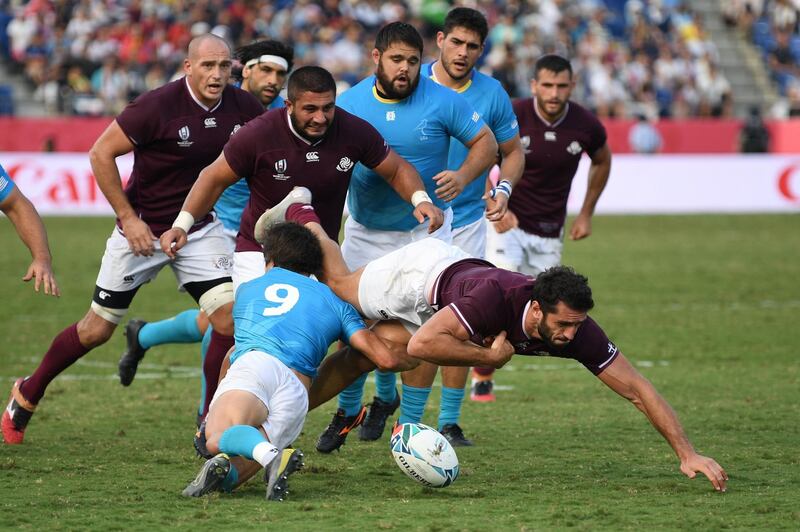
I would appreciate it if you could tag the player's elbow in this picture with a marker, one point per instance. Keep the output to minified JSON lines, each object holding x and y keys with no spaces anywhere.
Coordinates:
{"x":418,"y":346}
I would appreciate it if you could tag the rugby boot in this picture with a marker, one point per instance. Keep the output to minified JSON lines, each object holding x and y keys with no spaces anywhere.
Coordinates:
{"x":379,"y":412}
{"x":277,"y":214}
{"x":455,"y":435}
{"x":276,"y":474}
{"x":16,"y":415}
{"x":210,"y":477}
{"x":482,"y":391}
{"x":333,"y":437}
{"x":200,"y":442}
{"x":129,"y":362}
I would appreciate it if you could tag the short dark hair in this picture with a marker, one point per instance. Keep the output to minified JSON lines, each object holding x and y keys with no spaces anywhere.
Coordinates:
{"x":309,"y":79}
{"x":467,"y":18}
{"x":398,"y":32}
{"x":259,"y":48}
{"x":293,"y":247}
{"x":562,"y":283}
{"x":552,"y":62}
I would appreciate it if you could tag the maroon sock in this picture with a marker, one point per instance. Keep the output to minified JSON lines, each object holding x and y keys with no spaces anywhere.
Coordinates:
{"x":217,"y":349}
{"x":486,"y":372}
{"x":64,"y":351}
{"x":301,"y":213}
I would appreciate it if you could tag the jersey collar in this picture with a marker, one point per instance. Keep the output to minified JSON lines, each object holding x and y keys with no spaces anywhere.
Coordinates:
{"x":524,"y":314}
{"x":380,"y":98}
{"x":543,"y":119}
{"x":298,"y":135}
{"x":459,"y":90}
{"x":198,"y":102}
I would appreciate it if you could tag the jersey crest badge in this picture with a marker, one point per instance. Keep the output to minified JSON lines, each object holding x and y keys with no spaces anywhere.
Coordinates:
{"x":183,"y":133}
{"x":390,"y":116}
{"x":421,"y":128}
{"x":345,"y":164}
{"x":526,"y":143}
{"x":236,"y":128}
{"x":574,"y":147}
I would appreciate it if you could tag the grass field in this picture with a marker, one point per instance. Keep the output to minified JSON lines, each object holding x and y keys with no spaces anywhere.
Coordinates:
{"x":708,"y":308}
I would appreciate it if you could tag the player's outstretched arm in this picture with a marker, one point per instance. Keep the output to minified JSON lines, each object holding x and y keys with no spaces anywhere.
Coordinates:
{"x":482,"y":154}
{"x":377,"y":351}
{"x":406,"y":181}
{"x":598,"y":177}
{"x":623,"y":378}
{"x":29,"y":227}
{"x":443,"y":341}
{"x":512,"y":164}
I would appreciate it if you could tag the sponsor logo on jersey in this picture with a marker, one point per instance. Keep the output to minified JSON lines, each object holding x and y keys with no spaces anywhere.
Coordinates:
{"x":550,"y":136}
{"x":383,"y":314}
{"x":103,"y":295}
{"x":390,"y":116}
{"x":526,"y":143}
{"x":312,"y":157}
{"x":280,"y":167}
{"x":210,"y":122}
{"x":514,"y":124}
{"x":475,"y":116}
{"x":128,"y":279}
{"x":421,"y":128}
{"x":183,"y":133}
{"x":345,"y":164}
{"x":574,"y":147}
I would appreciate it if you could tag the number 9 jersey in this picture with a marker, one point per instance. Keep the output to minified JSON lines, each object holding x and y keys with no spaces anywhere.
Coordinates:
{"x":291,"y":317}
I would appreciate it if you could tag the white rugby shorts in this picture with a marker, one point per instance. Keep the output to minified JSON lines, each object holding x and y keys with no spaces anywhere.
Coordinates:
{"x":472,"y":238}
{"x":523,"y":252}
{"x":247,"y":265}
{"x":362,"y":244}
{"x":277,"y":387}
{"x":398,"y":285}
{"x":207,"y":255}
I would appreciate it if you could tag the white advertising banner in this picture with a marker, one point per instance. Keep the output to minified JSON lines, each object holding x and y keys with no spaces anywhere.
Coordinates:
{"x":63,"y":184}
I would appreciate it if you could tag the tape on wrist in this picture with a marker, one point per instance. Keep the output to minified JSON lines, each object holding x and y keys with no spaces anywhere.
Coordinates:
{"x":418,"y":197}
{"x":504,"y":187}
{"x":184,"y":221}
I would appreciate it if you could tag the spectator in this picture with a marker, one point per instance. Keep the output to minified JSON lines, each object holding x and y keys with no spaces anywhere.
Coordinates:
{"x":754,"y":137}
{"x":644,"y":137}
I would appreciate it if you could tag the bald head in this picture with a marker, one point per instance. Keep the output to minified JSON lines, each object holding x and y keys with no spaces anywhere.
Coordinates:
{"x":208,"y":68}
{"x":202,"y":42}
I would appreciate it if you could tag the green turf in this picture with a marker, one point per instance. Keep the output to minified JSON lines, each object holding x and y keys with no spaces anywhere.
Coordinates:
{"x":708,"y":307}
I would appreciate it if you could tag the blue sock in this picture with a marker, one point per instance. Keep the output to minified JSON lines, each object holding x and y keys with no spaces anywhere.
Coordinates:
{"x":412,"y":404}
{"x":203,"y":351}
{"x":240,"y":440}
{"x":180,"y":329}
{"x":450,"y":408}
{"x":386,"y":385}
{"x":350,"y":397}
{"x":230,"y":480}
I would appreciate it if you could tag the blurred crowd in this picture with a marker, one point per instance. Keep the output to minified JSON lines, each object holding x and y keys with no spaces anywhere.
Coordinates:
{"x":633,"y":58}
{"x":773,"y":26}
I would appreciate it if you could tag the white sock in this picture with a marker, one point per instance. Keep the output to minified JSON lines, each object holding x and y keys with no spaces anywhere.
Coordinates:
{"x":264,"y":453}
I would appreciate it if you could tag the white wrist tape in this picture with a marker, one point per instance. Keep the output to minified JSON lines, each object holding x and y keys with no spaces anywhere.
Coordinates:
{"x":504,"y":187}
{"x":418,"y":197}
{"x":184,"y":220}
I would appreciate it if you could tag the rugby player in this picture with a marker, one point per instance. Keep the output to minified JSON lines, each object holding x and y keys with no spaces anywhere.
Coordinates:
{"x":417,"y":117}
{"x":174,"y":132}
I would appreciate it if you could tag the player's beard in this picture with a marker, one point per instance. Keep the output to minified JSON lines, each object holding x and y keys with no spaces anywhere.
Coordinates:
{"x":300,"y":129}
{"x":546,"y":335}
{"x":447,"y":65}
{"x":387,"y":85}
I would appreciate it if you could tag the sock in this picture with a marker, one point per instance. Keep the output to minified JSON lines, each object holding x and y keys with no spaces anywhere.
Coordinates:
{"x":386,"y":385}
{"x":412,"y":404}
{"x":180,"y":329}
{"x":450,"y":408}
{"x":217,"y":349}
{"x":302,"y":213}
{"x":231,"y":479}
{"x":248,"y":442}
{"x":64,"y":351}
{"x":483,"y":372}
{"x":203,"y":352}
{"x":350,"y":397}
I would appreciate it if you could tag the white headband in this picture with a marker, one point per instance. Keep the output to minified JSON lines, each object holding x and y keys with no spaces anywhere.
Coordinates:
{"x":280,"y":61}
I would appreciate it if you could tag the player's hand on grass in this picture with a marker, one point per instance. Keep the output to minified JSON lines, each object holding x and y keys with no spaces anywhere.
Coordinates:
{"x":172,"y":241}
{"x":708,"y":466}
{"x":42,"y":273}
{"x":581,"y":227}
{"x":500,"y":350}
{"x":430,"y":211}
{"x":140,"y":237}
{"x":496,"y":207}
{"x":449,"y":185}
{"x":507,"y":222}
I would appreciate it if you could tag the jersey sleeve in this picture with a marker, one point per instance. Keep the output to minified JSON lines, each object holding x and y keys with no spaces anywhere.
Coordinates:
{"x":374,"y":148}
{"x":349,"y":319}
{"x":6,"y":184}
{"x":462,"y":121}
{"x":139,"y":121}
{"x":503,"y":123}
{"x":592,"y":348}
{"x":240,"y":150}
{"x":597,"y":135}
{"x":480,"y":310}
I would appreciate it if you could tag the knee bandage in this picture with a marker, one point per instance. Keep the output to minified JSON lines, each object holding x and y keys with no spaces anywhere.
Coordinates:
{"x":216,"y":297}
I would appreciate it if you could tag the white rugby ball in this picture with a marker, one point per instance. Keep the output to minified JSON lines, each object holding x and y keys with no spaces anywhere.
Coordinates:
{"x":424,"y":454}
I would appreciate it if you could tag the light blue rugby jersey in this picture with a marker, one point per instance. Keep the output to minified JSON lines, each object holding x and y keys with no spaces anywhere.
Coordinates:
{"x":6,"y":184}
{"x":234,"y":199}
{"x":487,"y":96}
{"x":418,"y":128}
{"x":291,"y":317}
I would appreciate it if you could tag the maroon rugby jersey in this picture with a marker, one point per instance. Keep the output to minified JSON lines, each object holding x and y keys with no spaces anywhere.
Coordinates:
{"x":274,"y":159}
{"x":487,"y":300}
{"x":175,"y":137}
{"x":552,"y":154}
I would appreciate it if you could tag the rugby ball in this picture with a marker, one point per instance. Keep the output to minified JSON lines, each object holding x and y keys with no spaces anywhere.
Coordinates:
{"x":424,"y":454}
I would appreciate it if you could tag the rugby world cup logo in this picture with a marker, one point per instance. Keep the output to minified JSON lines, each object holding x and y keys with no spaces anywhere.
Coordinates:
{"x":183,"y":134}
{"x":280,"y":166}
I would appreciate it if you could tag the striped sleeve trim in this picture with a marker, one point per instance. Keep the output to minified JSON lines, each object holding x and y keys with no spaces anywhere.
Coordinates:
{"x":462,"y":319}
